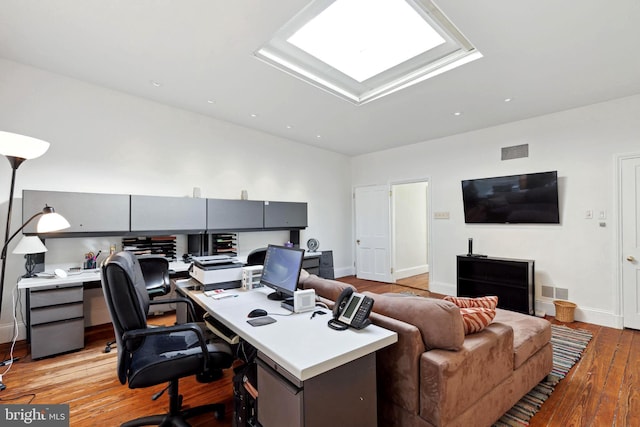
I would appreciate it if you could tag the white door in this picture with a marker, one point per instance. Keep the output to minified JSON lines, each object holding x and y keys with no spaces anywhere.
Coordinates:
{"x":373,"y":254}
{"x":630,"y":233}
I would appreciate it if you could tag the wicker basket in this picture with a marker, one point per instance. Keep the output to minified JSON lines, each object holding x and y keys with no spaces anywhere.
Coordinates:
{"x":564,"y":311}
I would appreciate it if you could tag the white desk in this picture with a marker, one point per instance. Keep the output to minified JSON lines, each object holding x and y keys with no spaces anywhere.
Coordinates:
{"x":81,"y":276}
{"x":337,"y":368}
{"x":57,"y":310}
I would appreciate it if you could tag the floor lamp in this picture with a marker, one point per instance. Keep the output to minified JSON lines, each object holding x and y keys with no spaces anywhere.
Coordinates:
{"x":18,"y":148}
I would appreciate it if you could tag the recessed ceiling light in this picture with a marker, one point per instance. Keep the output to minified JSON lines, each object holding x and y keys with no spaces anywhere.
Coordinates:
{"x":318,"y":136}
{"x":211,"y":101}
{"x":254,"y":115}
{"x":457,"y":113}
{"x":289,"y":127}
{"x":155,"y":83}
{"x":507,"y":100}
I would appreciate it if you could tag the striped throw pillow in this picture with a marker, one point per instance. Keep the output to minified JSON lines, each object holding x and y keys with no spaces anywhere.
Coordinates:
{"x":465,"y":302}
{"x":476,"y":319}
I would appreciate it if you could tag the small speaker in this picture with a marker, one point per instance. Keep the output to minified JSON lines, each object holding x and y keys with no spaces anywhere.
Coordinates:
{"x":470,"y":247}
{"x":304,"y":300}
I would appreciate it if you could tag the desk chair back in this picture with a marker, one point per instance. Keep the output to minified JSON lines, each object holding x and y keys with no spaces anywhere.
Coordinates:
{"x":127,"y":299}
{"x":257,"y":256}
{"x":155,"y":270}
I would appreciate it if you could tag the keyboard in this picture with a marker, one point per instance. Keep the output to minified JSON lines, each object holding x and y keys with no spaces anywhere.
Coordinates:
{"x":220,"y":330}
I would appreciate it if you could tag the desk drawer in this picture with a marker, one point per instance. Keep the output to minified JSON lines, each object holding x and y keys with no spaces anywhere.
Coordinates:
{"x":56,"y":312}
{"x":43,"y":298}
{"x":58,"y":337}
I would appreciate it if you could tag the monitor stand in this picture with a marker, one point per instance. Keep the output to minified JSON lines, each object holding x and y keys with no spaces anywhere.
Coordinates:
{"x":277,"y":296}
{"x":287,"y":303}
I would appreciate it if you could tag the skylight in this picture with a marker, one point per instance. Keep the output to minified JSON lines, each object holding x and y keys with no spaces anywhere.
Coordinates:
{"x":364,"y":49}
{"x":392,"y":33}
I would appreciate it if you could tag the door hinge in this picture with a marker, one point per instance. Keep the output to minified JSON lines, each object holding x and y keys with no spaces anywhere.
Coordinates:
{"x":391,"y":270}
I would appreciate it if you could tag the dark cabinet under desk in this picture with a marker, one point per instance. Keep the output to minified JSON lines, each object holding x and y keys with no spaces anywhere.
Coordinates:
{"x":512,"y":280}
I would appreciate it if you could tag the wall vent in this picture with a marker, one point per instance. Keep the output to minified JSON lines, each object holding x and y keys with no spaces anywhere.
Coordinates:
{"x":562,"y":293}
{"x":547,"y":291}
{"x":515,"y":152}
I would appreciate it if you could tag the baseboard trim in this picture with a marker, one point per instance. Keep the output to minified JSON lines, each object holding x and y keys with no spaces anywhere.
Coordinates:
{"x":412,"y":271}
{"x":582,"y":314}
{"x":7,"y":331}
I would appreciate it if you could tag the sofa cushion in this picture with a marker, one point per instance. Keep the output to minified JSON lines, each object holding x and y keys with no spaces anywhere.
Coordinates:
{"x":530,"y":333}
{"x":475,"y":319}
{"x":329,"y":289}
{"x":304,"y":275}
{"x":439,"y":321}
{"x":463,"y":302}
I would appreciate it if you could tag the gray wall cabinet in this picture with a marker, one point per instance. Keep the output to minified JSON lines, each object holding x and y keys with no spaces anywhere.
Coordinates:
{"x":154,"y":213}
{"x":86,"y":212}
{"x":285,"y":215}
{"x":234,"y":215}
{"x":122,"y":214}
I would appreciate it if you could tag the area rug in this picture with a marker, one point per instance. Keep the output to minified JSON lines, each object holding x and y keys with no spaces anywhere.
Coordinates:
{"x":568,"y":345}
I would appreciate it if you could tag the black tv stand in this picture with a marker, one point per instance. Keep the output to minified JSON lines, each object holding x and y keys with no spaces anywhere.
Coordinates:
{"x":512,"y":280}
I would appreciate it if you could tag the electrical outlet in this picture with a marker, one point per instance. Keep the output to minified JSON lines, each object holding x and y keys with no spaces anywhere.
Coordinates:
{"x":441,"y":215}
{"x":588,"y":214}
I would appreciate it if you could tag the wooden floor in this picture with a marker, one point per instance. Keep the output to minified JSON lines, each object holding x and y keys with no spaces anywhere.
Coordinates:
{"x":602,"y":389}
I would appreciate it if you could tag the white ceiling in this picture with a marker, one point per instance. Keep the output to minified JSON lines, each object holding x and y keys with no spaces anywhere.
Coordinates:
{"x":546,"y":55}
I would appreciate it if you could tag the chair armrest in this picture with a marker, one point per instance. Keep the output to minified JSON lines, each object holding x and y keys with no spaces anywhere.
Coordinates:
{"x":190,"y":307}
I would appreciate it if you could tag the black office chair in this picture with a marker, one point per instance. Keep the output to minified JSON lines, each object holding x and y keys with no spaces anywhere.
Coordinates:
{"x":148,"y":356}
{"x":256,"y":256}
{"x":155,"y":270}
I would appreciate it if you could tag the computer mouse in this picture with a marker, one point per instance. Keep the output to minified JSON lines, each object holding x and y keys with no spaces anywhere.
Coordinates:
{"x":258,"y":312}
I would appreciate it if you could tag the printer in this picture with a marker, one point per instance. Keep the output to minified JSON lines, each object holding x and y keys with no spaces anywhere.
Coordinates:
{"x":217,"y":272}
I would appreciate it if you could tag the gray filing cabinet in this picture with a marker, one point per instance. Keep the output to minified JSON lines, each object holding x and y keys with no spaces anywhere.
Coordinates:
{"x":311,"y":263}
{"x":56,"y":319}
{"x":343,"y":396}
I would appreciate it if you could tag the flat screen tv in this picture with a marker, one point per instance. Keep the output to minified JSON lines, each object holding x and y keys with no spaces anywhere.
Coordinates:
{"x":281,"y":270}
{"x":516,"y":199}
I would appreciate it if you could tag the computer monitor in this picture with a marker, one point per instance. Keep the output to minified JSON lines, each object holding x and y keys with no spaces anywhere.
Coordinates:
{"x":281,"y":271}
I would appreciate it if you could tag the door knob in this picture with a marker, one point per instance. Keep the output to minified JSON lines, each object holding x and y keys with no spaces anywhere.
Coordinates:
{"x":358,"y":241}
{"x":630,"y":258}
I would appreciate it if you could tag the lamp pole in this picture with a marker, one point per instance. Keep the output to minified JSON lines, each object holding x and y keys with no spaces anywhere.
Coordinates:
{"x":15,"y":163}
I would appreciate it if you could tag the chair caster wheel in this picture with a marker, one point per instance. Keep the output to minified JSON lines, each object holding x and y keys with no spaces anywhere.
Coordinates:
{"x":107,"y":349}
{"x":218,"y":415}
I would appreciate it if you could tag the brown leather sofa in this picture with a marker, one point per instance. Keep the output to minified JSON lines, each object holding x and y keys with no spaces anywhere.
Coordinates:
{"x":435,"y":375}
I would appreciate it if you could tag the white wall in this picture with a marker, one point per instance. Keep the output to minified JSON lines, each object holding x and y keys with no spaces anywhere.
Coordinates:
{"x":578,"y":254}
{"x":104,"y":141}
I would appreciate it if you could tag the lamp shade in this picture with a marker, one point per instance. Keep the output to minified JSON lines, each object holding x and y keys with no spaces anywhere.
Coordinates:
{"x":24,"y":147}
{"x":51,"y":221}
{"x":30,"y":245}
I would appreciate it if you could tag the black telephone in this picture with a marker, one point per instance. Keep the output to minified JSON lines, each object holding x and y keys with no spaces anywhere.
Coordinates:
{"x":351,"y":309}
